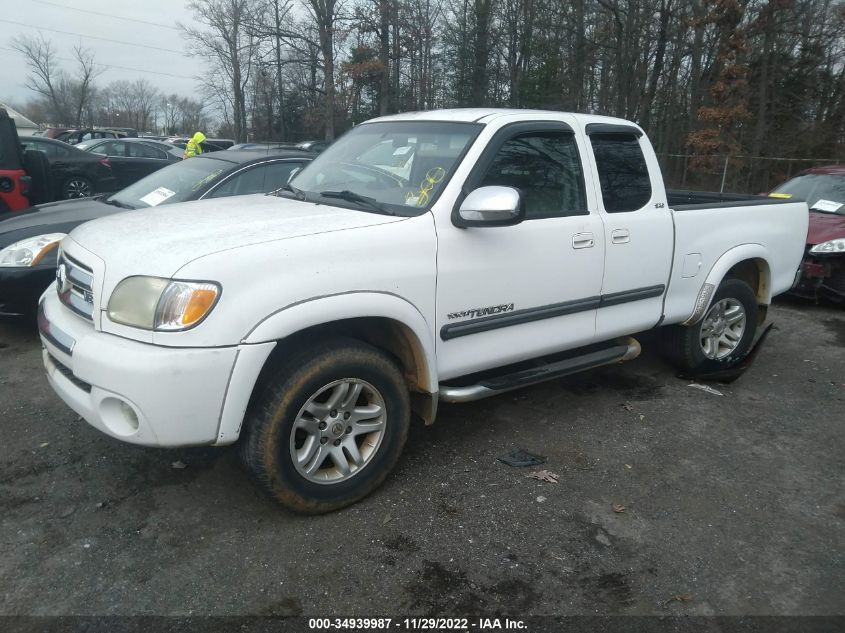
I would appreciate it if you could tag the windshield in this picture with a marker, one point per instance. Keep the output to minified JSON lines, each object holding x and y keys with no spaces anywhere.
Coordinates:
{"x":822,"y":192}
{"x":174,"y":183}
{"x":401,"y":166}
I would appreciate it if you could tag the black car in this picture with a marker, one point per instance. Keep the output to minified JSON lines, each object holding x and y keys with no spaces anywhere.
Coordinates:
{"x":29,"y":239}
{"x":133,"y":158}
{"x":74,"y":172}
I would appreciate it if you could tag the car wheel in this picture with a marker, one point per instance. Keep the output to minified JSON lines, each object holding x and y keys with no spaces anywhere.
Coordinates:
{"x":77,"y":187}
{"x":328,"y":426}
{"x":722,"y":337}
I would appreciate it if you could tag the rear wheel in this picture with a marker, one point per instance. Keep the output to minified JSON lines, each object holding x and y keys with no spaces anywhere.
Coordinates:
{"x":328,"y":427}
{"x":77,"y":187}
{"x":723,"y":337}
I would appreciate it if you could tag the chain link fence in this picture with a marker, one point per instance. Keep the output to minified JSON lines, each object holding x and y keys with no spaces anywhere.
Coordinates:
{"x":735,"y":173}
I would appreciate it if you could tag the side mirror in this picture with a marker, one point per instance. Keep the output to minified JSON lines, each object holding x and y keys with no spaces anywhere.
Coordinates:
{"x":490,"y":206}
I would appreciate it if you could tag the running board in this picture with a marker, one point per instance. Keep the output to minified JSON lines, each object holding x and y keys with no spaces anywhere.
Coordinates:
{"x":622,"y":351}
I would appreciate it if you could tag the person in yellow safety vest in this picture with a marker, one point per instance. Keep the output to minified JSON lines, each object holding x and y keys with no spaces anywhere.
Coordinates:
{"x":193,"y":148}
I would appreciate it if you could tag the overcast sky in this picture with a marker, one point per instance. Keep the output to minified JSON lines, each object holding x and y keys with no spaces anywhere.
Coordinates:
{"x":135,"y":47}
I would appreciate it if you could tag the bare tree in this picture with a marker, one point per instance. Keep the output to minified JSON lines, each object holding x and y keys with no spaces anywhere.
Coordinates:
{"x":228,"y":46}
{"x":45,"y":75}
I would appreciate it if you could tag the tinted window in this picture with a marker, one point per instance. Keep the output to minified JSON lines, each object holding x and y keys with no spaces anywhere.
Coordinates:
{"x":52,"y":150}
{"x":623,"y":175}
{"x":140,"y":150}
{"x":545,"y":167}
{"x":112,"y":148}
{"x":278,"y":173}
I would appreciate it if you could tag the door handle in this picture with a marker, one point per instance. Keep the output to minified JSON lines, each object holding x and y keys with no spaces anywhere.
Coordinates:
{"x":583,"y":240}
{"x":620,"y":236}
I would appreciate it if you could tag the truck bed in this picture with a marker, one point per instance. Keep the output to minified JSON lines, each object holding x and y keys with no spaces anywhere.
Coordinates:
{"x":683,"y":200}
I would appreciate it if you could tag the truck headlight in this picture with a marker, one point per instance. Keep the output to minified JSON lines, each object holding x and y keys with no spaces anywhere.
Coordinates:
{"x":153,"y":303}
{"x":29,"y":252}
{"x":833,"y":246}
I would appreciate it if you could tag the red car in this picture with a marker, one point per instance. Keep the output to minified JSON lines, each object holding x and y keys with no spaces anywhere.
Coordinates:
{"x":823,"y":267}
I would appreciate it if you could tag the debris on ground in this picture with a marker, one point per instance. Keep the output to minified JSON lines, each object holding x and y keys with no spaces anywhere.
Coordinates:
{"x":618,"y":508}
{"x":544,"y":475}
{"x":519,"y":458}
{"x":44,"y":445}
{"x":705,"y":388}
{"x":682,"y":597}
{"x":178,"y":465}
{"x":627,"y":406}
{"x":541,"y":499}
{"x":602,"y":538}
{"x":387,"y":520}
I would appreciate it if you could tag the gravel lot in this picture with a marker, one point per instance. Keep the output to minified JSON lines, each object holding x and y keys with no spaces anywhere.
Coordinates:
{"x":733,"y":504}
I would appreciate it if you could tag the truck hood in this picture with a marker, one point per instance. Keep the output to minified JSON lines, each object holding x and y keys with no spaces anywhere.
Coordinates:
{"x":159,"y":241}
{"x":825,"y":227}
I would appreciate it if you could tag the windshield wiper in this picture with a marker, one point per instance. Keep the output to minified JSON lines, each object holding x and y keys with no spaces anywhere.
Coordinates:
{"x":297,"y":193}
{"x":351,"y":196}
{"x":117,"y":204}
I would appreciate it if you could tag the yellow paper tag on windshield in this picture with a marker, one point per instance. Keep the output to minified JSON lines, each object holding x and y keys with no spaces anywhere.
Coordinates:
{"x":780,"y":195}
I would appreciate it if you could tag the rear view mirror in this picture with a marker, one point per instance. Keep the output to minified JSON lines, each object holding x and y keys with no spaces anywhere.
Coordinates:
{"x":490,"y":206}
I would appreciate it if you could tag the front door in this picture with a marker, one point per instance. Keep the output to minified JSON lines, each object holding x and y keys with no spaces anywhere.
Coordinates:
{"x":506,"y":294}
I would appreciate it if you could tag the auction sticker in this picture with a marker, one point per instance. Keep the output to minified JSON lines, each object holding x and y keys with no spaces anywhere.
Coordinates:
{"x":827,"y":205}
{"x":155,"y":198}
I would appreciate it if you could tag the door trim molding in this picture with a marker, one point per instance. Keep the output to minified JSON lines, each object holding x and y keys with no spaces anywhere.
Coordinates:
{"x":529,"y":315}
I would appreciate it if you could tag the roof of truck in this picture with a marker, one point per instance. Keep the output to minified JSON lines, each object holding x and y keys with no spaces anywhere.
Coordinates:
{"x":485,"y":115}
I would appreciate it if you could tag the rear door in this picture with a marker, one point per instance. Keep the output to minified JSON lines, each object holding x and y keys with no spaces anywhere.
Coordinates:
{"x":638,"y":230}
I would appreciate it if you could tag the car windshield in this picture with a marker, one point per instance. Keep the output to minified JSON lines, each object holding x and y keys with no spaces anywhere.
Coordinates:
{"x":175,"y":183}
{"x":397,"y":167}
{"x":823,"y":192}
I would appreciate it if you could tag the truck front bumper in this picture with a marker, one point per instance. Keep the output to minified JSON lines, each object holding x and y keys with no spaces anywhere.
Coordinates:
{"x":147,"y":394}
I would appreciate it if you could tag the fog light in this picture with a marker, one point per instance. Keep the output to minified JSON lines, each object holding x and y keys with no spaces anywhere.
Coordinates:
{"x":119,"y":416}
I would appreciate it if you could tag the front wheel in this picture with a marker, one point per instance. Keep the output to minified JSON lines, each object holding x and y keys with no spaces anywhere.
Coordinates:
{"x":722,"y":338}
{"x":328,"y":427}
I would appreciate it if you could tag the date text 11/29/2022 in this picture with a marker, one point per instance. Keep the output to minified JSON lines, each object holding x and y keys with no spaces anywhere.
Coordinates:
{"x":416,"y":624}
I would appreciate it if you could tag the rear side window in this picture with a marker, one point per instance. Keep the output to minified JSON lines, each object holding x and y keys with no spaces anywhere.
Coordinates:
{"x":623,"y":175}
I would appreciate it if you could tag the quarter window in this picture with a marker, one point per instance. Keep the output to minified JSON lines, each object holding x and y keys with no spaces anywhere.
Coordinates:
{"x":623,"y":174}
{"x":545,"y":167}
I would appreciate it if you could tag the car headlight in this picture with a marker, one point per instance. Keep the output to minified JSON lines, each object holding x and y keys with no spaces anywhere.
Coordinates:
{"x":31,"y":251}
{"x":833,"y":246}
{"x":164,"y":305}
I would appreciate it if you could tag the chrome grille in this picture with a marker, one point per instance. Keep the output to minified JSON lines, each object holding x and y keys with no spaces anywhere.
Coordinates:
{"x":74,"y":283}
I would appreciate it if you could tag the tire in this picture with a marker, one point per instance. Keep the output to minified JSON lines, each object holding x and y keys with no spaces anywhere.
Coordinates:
{"x":685,"y":347}
{"x":270,"y":440}
{"x":77,"y":187}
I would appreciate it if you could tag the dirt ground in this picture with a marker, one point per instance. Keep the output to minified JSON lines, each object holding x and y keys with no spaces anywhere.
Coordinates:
{"x":733,"y":503}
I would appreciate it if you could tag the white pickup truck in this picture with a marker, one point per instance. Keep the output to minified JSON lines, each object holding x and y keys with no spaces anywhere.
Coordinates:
{"x":427,"y":257}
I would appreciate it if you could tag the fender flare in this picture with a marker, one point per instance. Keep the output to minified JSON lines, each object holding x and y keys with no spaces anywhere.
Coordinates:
{"x":717,"y":273}
{"x":321,"y":310}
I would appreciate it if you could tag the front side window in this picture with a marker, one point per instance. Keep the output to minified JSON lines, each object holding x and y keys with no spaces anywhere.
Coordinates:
{"x":400,"y":167}
{"x":545,"y":167}
{"x":262,"y":178}
{"x":623,"y":174}
{"x":140,"y":150}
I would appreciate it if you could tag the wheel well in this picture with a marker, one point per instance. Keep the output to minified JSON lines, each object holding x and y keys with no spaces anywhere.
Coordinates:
{"x":390,"y":336}
{"x":755,"y":272}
